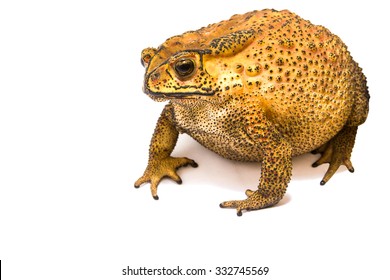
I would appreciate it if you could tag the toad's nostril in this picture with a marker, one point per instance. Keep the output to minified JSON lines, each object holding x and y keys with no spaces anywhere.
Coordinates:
{"x":155,"y":76}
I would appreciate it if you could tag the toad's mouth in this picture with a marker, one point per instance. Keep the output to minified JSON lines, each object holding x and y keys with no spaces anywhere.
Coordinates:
{"x":180,"y":92}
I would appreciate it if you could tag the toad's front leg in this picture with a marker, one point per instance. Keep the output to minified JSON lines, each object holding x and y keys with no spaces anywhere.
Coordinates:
{"x":161,"y":164}
{"x":276,"y":168}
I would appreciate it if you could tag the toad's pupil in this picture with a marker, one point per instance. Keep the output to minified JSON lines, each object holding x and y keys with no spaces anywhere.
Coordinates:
{"x":184,"y":67}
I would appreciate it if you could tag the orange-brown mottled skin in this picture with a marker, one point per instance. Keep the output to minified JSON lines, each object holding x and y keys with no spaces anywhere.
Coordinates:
{"x":263,"y":86}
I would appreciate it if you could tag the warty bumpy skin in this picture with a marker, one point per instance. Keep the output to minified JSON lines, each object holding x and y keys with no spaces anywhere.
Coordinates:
{"x":263,"y":86}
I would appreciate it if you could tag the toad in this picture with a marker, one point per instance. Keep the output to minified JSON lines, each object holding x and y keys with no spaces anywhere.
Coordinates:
{"x":262,"y":87}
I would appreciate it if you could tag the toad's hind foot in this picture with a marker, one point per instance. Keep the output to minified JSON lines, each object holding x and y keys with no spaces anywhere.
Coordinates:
{"x":337,"y":152}
{"x":255,"y":201}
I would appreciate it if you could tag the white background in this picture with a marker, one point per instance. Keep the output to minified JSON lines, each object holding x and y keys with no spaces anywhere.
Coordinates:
{"x":74,"y":135}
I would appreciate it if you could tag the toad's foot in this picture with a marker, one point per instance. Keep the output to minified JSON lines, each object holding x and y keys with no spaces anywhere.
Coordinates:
{"x":163,"y":168}
{"x":337,"y":152}
{"x":254,"y":201}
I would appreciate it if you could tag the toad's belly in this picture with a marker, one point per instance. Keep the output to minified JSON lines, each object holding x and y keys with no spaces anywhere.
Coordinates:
{"x":238,"y":145}
{"x":234,"y":147}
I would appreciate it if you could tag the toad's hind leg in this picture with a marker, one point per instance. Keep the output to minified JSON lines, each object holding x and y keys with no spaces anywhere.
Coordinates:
{"x":337,"y":152}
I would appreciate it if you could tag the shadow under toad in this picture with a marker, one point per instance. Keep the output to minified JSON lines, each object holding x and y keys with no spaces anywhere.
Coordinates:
{"x":234,"y":175}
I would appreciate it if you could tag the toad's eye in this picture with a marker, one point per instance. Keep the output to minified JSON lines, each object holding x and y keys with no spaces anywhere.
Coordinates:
{"x":184,"y":68}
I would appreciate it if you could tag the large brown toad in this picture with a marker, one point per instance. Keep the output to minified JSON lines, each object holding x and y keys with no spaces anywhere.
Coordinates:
{"x":263,"y":86}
